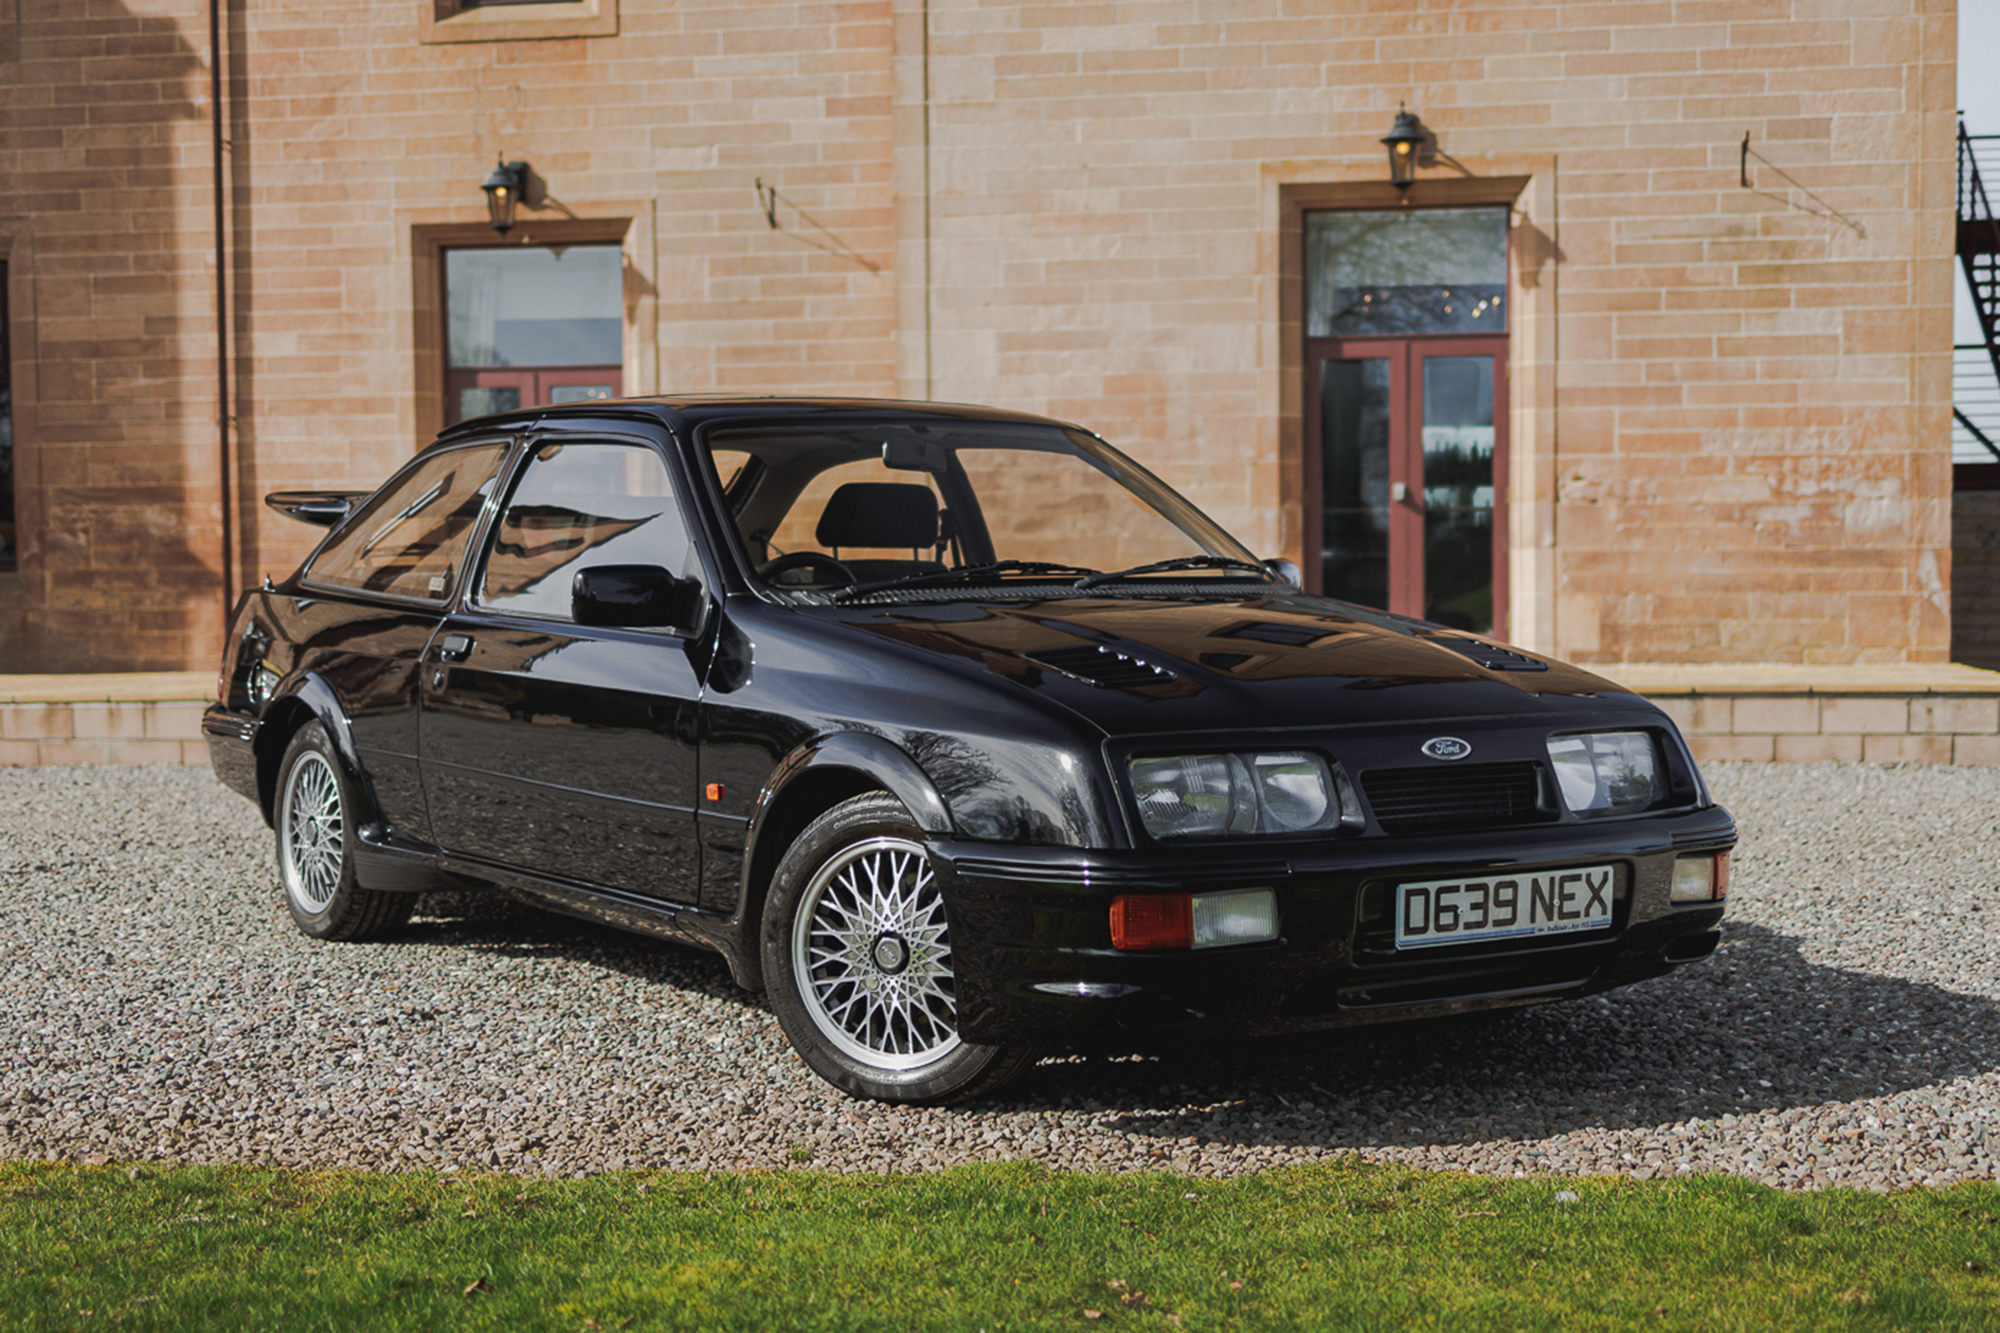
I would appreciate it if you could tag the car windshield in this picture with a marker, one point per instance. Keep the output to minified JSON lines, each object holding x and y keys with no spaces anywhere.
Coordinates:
{"x":895,"y":510}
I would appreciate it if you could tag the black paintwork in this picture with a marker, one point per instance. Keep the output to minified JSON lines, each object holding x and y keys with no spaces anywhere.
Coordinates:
{"x":569,"y":763}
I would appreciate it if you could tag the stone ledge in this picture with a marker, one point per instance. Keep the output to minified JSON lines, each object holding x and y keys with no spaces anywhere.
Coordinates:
{"x":140,"y":717}
{"x":124,"y":687}
{"x":1656,"y":679}
{"x":1946,"y":713}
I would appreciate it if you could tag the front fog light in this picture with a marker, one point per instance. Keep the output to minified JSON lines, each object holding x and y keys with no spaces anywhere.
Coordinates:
{"x":1243,"y":917}
{"x":1606,"y":772}
{"x":1193,"y":920}
{"x":1700,"y":879}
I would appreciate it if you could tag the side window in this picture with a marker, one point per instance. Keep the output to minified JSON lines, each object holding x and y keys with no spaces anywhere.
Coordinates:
{"x":579,"y":505}
{"x":409,"y":540}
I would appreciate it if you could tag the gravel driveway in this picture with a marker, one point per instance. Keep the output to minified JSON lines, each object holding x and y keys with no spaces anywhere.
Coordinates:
{"x":156,"y":1003}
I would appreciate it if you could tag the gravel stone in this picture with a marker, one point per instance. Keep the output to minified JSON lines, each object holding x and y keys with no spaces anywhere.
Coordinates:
{"x":157,"y":1004}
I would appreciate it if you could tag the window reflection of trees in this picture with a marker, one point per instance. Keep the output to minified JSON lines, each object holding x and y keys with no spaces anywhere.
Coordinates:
{"x":578,"y":505}
{"x":1406,"y":272}
{"x":414,"y":551}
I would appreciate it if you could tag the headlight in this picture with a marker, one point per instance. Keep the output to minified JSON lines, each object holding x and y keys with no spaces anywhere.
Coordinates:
{"x":1606,"y":772}
{"x":1237,"y":795}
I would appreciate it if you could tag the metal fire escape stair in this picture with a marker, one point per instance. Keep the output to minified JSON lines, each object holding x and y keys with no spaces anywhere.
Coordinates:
{"x":1975,"y":387}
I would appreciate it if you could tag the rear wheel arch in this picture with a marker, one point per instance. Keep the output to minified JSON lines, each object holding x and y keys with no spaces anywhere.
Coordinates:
{"x":283,"y":719}
{"x":281,"y":722}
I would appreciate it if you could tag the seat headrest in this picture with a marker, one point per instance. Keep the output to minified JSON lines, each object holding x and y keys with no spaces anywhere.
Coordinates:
{"x":879,"y":513}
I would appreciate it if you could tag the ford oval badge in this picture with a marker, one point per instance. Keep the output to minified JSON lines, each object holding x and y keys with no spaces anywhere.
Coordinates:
{"x":1447,"y":747}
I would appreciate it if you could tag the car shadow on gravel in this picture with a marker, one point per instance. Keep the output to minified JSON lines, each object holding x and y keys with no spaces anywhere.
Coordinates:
{"x":1756,"y":1028}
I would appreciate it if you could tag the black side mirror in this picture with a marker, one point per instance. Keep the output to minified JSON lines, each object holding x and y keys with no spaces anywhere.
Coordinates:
{"x":634,"y":597}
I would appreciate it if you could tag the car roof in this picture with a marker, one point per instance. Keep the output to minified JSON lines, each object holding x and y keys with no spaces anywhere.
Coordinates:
{"x":682,"y":412}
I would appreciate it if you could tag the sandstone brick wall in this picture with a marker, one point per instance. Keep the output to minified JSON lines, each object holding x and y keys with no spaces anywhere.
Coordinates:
{"x":1735,"y":439}
{"x":103,"y":172}
{"x":1730,"y":407}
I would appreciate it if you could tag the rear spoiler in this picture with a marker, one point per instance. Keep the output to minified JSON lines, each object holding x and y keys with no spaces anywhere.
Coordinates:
{"x":320,"y":508}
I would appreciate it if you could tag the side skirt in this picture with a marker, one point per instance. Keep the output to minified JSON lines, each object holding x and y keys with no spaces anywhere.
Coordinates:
{"x":680,"y":923}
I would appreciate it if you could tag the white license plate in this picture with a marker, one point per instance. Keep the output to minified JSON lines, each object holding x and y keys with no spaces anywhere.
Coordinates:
{"x":1504,"y":907}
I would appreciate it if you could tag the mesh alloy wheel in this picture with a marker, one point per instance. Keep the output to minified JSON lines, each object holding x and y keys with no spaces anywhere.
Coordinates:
{"x":318,"y":820}
{"x":872,"y":957}
{"x":311,"y":833}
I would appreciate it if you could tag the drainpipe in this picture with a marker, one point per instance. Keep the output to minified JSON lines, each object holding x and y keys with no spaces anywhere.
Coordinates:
{"x":223,"y":473}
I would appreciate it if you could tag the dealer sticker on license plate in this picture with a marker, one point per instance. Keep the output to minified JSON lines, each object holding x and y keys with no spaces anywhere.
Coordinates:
{"x":1464,"y":911}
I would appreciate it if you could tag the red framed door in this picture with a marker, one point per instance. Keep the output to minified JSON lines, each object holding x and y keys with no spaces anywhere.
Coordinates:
{"x":1405,"y":476}
{"x":476,"y":390}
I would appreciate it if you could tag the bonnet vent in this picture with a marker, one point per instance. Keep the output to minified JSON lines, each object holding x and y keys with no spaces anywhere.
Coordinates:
{"x":1268,"y":631}
{"x":1489,"y":655}
{"x":1098,"y":665}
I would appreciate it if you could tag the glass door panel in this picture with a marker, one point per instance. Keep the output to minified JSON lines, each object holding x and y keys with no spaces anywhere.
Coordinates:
{"x":1458,"y":491}
{"x":1406,"y":462}
{"x":1355,"y":415}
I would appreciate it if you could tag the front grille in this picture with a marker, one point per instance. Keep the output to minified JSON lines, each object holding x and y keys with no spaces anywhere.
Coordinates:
{"x":1444,"y":800}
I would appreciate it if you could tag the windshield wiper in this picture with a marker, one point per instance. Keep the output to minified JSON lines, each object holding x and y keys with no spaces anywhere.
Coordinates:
{"x":969,"y":574}
{"x":1184,"y":562}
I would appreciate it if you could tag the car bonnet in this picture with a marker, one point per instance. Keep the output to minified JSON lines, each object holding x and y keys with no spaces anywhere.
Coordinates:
{"x":1136,"y":665}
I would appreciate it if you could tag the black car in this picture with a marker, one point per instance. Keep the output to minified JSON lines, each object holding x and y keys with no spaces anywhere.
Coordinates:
{"x":954,"y":729}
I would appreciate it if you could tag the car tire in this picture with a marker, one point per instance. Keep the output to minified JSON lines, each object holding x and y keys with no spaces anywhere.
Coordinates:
{"x":315,"y":821}
{"x":857,"y":953}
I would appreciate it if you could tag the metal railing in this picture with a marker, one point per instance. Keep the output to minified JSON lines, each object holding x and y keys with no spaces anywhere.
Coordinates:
{"x":1975,"y":367}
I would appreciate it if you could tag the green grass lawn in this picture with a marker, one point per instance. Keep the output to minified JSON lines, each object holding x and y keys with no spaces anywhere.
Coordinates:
{"x":1343,"y":1246}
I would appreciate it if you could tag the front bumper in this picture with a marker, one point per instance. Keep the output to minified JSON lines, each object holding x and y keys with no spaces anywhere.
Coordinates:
{"x":1032,"y":945}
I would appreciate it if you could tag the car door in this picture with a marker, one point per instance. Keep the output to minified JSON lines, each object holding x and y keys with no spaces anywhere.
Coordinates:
{"x":557,"y":748}
{"x":376,"y":592}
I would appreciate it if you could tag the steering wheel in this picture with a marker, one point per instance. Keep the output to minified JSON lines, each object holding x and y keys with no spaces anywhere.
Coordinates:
{"x":828,"y":572}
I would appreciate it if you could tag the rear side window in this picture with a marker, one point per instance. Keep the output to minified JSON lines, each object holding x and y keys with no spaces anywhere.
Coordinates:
{"x":575,"y":506}
{"x":409,"y":541}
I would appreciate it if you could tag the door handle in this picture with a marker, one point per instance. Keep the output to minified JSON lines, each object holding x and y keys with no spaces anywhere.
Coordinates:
{"x":455,"y":648}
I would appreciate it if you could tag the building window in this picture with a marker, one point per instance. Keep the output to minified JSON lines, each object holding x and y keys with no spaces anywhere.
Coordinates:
{"x":8,"y":547}
{"x":528,"y":326}
{"x":514,"y":20}
{"x":1406,"y":411}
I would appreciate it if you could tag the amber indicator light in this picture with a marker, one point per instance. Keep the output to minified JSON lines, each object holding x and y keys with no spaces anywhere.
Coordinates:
{"x":1722,"y":874}
{"x":714,"y":791}
{"x":1152,"y":921}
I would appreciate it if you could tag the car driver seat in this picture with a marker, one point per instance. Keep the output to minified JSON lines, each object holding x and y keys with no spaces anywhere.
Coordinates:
{"x":877,"y":514}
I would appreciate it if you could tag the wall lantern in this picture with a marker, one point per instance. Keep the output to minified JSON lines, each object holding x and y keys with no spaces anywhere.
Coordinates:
{"x":504,"y":189}
{"x":1407,"y":143}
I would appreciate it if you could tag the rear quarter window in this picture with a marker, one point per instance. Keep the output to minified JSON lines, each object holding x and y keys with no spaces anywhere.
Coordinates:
{"x":409,"y":541}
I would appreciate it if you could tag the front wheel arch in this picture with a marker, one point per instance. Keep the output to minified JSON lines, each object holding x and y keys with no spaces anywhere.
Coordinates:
{"x":801,"y":801}
{"x":862,"y":975}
